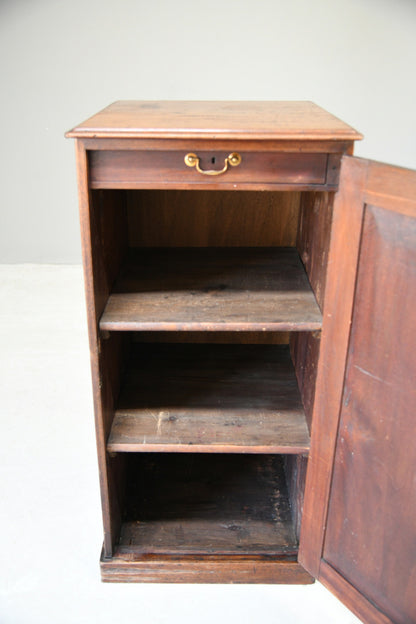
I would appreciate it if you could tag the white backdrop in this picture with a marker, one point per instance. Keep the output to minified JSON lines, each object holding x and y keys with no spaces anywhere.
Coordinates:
{"x":63,"y":61}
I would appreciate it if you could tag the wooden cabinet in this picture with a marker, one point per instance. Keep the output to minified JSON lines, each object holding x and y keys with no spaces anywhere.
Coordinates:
{"x":252,"y":349}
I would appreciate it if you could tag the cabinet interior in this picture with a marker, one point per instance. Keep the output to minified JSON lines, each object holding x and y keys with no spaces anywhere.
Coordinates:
{"x":207,"y":415}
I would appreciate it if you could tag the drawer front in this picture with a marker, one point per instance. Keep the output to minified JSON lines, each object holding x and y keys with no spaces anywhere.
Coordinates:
{"x":151,"y":169}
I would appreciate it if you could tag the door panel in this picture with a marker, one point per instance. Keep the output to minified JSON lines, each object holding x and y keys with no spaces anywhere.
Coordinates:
{"x":370,"y":536}
{"x":368,"y":548}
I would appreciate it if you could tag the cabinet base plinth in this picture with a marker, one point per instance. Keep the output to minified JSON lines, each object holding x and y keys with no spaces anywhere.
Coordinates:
{"x":205,"y":569}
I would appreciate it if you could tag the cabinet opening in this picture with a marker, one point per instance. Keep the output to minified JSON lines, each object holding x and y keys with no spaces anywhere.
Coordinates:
{"x":193,"y":504}
{"x":127,"y":223}
{"x":262,"y":229}
{"x":210,"y":400}
{"x":217,"y":261}
{"x":180,"y":273}
{"x":207,"y":398}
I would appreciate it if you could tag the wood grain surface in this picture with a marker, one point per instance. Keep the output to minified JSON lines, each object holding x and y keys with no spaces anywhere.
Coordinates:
{"x":212,"y":261}
{"x":172,"y":218}
{"x":209,"y":398}
{"x":212,"y":289}
{"x":139,"y":568}
{"x":207,"y":504}
{"x":215,"y":120}
{"x":313,"y":238}
{"x":371,"y":534}
{"x":102,"y":240}
{"x":148,"y":169}
{"x":337,"y":310}
{"x":358,"y":530}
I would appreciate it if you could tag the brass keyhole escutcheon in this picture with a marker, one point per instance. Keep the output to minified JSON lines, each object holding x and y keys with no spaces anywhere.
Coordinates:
{"x":192,"y":160}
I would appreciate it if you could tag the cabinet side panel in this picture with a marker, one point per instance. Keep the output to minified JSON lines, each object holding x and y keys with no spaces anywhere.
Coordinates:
{"x":304,"y":348}
{"x":109,"y":221}
{"x":313,"y":239}
{"x":295,"y":467}
{"x":373,"y":544}
{"x":102,"y":241}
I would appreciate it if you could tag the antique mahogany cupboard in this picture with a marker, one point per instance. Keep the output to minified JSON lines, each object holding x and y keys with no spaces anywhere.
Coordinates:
{"x":251,"y":294}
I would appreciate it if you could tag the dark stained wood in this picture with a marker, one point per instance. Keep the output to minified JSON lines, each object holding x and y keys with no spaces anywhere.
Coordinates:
{"x":313,"y":238}
{"x":146,"y":169}
{"x":295,"y":469}
{"x":373,"y":518}
{"x":367,"y":547}
{"x":202,"y":337}
{"x":346,"y":593}
{"x":212,"y":218}
{"x":98,"y":250}
{"x":212,"y":289}
{"x":215,"y":120}
{"x":206,"y":505}
{"x":210,"y":398}
{"x":386,"y":184}
{"x":337,"y":309}
{"x":209,"y":517}
{"x":111,"y":234}
{"x":329,"y":147}
{"x":333,"y":168}
{"x":304,"y":349}
{"x":216,"y":218}
{"x":130,"y":568}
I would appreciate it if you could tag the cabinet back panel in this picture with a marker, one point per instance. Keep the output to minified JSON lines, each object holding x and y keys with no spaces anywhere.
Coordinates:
{"x":214,"y":337}
{"x":212,"y":218}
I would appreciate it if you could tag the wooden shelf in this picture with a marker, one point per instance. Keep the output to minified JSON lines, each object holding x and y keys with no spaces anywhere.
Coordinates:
{"x":205,"y":505}
{"x":209,"y":398}
{"x":212,"y":289}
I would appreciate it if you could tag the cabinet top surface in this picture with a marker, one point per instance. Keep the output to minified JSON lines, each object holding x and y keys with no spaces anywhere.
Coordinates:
{"x":211,"y":120}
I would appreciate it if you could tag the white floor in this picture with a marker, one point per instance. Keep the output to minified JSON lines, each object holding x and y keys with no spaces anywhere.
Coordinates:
{"x":49,"y":504}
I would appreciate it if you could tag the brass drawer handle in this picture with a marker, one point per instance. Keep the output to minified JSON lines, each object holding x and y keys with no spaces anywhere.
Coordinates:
{"x":233,"y":159}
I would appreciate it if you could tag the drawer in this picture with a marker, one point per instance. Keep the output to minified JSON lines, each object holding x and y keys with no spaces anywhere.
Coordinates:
{"x":158,"y":169}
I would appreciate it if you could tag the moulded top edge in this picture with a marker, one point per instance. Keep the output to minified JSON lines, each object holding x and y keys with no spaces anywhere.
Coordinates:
{"x":215,"y":120}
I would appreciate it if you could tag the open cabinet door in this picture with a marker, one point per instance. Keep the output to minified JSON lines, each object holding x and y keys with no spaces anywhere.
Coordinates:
{"x":359,"y":522}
